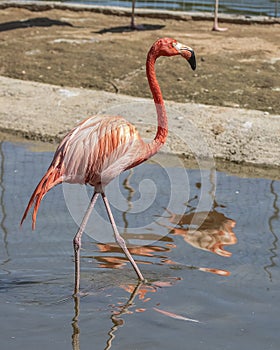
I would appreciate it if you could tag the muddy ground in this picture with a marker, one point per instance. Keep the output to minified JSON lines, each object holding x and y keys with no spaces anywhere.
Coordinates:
{"x":227,"y":110}
{"x":237,"y":68}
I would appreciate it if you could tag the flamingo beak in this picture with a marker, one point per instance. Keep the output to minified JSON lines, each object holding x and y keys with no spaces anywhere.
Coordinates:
{"x":187,"y":53}
{"x":192,"y":60}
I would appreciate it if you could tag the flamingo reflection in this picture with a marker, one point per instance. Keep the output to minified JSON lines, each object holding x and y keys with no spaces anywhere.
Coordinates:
{"x":115,"y":318}
{"x":205,"y":231}
{"x":140,"y":291}
{"x":211,"y":234}
{"x":208,"y":231}
{"x":109,"y":261}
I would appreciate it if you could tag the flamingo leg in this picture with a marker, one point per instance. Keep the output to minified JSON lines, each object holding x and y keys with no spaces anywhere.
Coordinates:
{"x":77,"y":242}
{"x":132,"y":23}
{"x":119,"y":239}
{"x":216,"y":25}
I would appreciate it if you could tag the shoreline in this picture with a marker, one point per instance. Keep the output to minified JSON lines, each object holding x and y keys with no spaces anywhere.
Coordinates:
{"x":227,"y":135}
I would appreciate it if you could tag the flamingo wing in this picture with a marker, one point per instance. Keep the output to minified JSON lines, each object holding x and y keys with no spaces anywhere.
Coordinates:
{"x":94,"y":152}
{"x":98,"y":150}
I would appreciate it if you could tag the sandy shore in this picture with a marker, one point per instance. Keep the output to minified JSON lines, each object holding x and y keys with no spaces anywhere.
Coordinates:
{"x":46,"y":112}
{"x":41,"y":111}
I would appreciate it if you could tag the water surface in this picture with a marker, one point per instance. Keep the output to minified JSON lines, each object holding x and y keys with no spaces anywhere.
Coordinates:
{"x":216,"y":287}
{"x":244,"y":7}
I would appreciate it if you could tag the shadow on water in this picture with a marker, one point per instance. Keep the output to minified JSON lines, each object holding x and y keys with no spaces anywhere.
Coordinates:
{"x":184,"y":284}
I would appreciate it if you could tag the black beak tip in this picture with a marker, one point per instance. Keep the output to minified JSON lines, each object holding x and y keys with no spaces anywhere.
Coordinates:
{"x":192,"y":61}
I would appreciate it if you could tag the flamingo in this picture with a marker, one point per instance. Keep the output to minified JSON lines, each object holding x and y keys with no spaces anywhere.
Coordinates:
{"x":215,"y":25}
{"x":101,"y":147}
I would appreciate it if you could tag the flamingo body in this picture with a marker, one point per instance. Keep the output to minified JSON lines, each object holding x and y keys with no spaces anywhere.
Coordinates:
{"x":94,"y":153}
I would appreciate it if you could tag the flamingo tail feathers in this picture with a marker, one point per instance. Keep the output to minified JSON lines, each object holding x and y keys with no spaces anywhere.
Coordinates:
{"x":48,"y":181}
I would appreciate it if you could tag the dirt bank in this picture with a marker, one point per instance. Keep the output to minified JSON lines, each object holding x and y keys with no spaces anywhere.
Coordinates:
{"x":46,"y":112}
{"x":238,"y":68}
{"x":82,"y":49}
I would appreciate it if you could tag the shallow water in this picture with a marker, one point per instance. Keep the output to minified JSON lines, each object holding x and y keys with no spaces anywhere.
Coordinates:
{"x":245,"y":7}
{"x":214,"y":288}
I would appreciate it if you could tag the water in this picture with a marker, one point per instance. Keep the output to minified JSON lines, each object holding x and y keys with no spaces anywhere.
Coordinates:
{"x":216,"y":288}
{"x":244,"y":7}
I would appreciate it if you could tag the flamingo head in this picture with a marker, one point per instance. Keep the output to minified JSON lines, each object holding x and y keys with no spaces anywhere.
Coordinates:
{"x":171,"y":47}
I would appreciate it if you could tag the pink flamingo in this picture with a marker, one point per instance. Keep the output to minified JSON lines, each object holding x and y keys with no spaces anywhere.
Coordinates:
{"x":216,"y":26}
{"x":101,"y":147}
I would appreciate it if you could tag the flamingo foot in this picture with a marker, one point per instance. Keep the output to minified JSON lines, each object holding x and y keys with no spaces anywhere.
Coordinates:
{"x":216,"y":28}
{"x":79,"y":294}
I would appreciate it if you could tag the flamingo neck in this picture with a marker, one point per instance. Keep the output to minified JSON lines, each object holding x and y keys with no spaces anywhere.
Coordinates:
{"x":162,"y":128}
